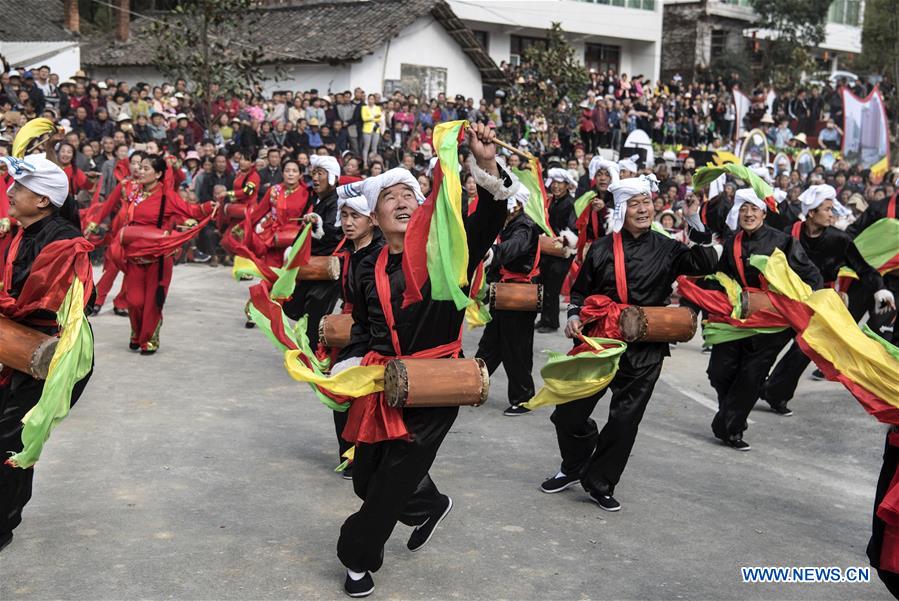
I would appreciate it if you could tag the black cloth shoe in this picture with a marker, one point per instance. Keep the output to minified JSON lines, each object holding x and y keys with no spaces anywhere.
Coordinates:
{"x":5,"y":539}
{"x":347,"y":474}
{"x":558,"y":483}
{"x":201,"y":257}
{"x":516,"y":410}
{"x":359,"y":588}
{"x":737,"y":443}
{"x":539,"y":325}
{"x":94,"y":310}
{"x":780,"y":408}
{"x":120,"y":312}
{"x":146,"y":352}
{"x":133,"y":346}
{"x":818,"y":375}
{"x":547,"y":330}
{"x":606,"y":502}
{"x":423,"y":532}
{"x":249,"y":325}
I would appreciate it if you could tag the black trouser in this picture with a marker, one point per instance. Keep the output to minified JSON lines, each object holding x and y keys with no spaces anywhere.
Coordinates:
{"x":315,"y":299}
{"x":508,"y":339}
{"x":17,"y":399}
{"x":552,"y":273}
{"x":343,"y":446}
{"x":781,"y":384}
{"x":737,"y":371}
{"x":875,"y":544}
{"x":600,"y":459}
{"x":392,"y":480}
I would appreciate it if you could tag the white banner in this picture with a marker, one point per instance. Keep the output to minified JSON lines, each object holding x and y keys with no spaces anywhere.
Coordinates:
{"x":866,"y":138}
{"x":742,"y":102}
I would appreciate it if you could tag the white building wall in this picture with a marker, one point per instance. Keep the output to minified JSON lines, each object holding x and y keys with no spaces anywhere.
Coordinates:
{"x":425,"y":43}
{"x":63,"y":58}
{"x":324,"y":78}
{"x":844,"y":38}
{"x":638,"y":32}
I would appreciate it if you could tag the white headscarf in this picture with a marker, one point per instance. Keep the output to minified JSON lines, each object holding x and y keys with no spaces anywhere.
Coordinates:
{"x":557,"y":174}
{"x":598,"y":164}
{"x":622,"y":191}
{"x":41,"y":176}
{"x":762,"y":171}
{"x":629,"y":163}
{"x":329,"y":164}
{"x":357,"y":203}
{"x":741,"y":197}
{"x":520,"y":197}
{"x":371,"y":188}
{"x":815,"y":195}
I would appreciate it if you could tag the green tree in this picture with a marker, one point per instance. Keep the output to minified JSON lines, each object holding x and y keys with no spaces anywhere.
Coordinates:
{"x":550,"y":72}
{"x":794,"y":27}
{"x":207,"y":43}
{"x":880,"y":52}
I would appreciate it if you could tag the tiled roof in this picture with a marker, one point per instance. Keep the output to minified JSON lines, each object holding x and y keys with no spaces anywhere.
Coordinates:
{"x":313,"y":31}
{"x":32,"y":21}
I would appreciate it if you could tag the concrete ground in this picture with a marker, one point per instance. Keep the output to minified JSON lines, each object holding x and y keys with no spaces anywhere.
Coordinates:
{"x":205,"y":472}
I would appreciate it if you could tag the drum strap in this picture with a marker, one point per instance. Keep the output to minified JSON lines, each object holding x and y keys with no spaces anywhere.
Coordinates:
{"x":738,"y":257}
{"x":382,"y":285}
{"x":797,"y":230}
{"x":511,"y":276}
{"x":10,"y":259}
{"x":620,"y":272}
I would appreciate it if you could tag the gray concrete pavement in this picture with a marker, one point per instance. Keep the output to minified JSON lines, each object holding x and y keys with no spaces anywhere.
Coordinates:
{"x":205,"y":472}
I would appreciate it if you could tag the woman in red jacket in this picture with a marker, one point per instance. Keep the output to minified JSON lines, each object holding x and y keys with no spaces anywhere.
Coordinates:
{"x":78,"y":179}
{"x":276,"y":218}
{"x":147,"y":279}
{"x":128,"y":189}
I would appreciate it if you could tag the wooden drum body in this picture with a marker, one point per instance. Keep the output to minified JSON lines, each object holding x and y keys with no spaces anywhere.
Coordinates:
{"x":753,"y":301}
{"x":285,"y":236}
{"x":657,"y":324}
{"x":514,"y":296}
{"x":320,"y":269}
{"x":550,"y":247}
{"x":436,"y":382}
{"x":26,"y":350}
{"x":334,"y":330}
{"x":236,"y":211}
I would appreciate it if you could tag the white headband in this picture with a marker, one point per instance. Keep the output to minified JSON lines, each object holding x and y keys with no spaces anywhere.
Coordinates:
{"x":557,"y":174}
{"x":41,"y":176}
{"x":815,"y":195}
{"x":371,"y":188}
{"x":622,"y":191}
{"x":741,"y":197}
{"x":629,"y":163}
{"x":356,"y":203}
{"x":598,"y":164}
{"x":329,"y":164}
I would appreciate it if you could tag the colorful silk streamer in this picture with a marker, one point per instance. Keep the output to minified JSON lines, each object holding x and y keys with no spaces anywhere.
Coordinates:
{"x":538,"y":201}
{"x":864,"y":363}
{"x":704,"y":176}
{"x":584,"y":371}
{"x":436,"y":247}
{"x":72,"y":361}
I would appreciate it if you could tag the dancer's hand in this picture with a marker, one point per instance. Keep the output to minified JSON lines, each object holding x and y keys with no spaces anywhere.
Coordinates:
{"x":480,"y":142}
{"x":573,"y":327}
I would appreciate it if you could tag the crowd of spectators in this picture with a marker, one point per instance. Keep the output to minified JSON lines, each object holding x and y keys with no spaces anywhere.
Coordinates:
{"x":105,"y":120}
